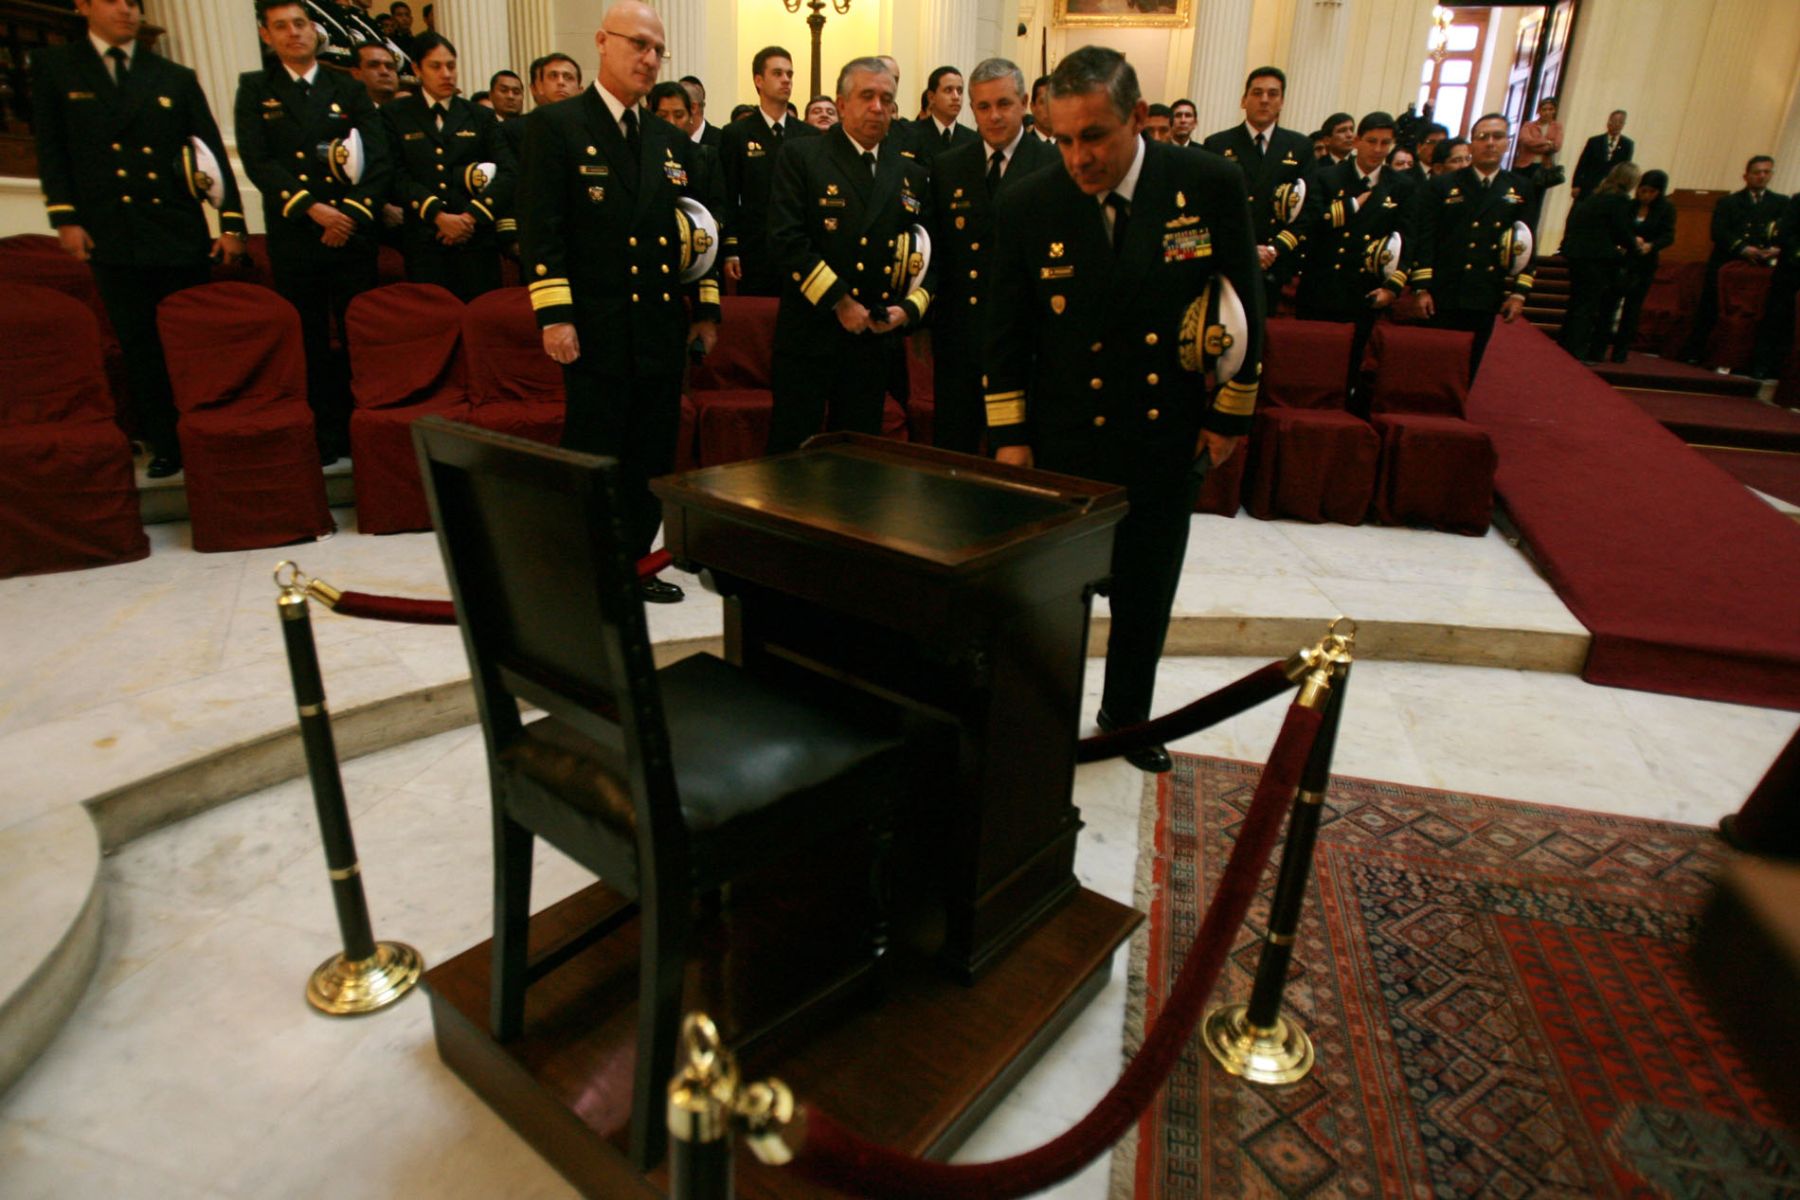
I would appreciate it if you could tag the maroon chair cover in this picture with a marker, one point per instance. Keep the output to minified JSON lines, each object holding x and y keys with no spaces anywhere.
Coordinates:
{"x":733,"y":403}
{"x":1436,"y":471}
{"x":1743,"y":289}
{"x":247,"y":442}
{"x":1787,"y":391}
{"x":1312,"y":465}
{"x":253,"y":268}
{"x":1222,"y":494}
{"x":733,"y":423}
{"x":1418,"y":370}
{"x":1668,"y":312}
{"x":406,"y":362}
{"x":687,"y":438}
{"x":921,"y":404}
{"x":514,"y":387}
{"x":67,"y":496}
{"x":390,"y":266}
{"x":38,"y":259}
{"x":1305,"y":363}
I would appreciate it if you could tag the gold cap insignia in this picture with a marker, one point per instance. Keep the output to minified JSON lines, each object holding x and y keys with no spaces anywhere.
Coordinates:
{"x":831,"y":189}
{"x":1056,"y":249}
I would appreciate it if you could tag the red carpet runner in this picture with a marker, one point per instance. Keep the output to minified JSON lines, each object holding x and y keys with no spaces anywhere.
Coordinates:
{"x":1689,"y":583}
{"x":1499,"y":995}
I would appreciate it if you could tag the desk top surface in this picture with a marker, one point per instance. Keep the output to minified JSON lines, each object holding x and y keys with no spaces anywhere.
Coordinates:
{"x":933,"y":506}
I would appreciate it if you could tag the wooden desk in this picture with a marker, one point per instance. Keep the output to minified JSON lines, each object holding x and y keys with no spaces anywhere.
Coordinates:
{"x":955,"y":585}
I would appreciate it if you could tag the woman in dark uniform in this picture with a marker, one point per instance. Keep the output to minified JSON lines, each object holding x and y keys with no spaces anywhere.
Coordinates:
{"x":1595,"y":242}
{"x":1653,"y":230}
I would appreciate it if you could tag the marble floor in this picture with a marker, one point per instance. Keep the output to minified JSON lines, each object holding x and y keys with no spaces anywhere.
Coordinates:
{"x":191,"y":1066}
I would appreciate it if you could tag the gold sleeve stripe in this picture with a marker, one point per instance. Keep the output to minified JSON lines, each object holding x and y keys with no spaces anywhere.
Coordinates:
{"x":549,"y":283}
{"x":730,"y":239}
{"x":1006,"y":412}
{"x":485,"y":210}
{"x":552,"y":297}
{"x":818,"y":282}
{"x":1237,"y":399}
{"x":287,"y":210}
{"x":359,"y":208}
{"x":1397,"y":281}
{"x":59,"y":208}
{"x":921,"y":299}
{"x":709,"y":292}
{"x":1421,"y":275}
{"x":1525,"y":281}
{"x":1286,"y":238}
{"x":229,"y":215}
{"x":506,"y":225}
{"x":425,"y":206}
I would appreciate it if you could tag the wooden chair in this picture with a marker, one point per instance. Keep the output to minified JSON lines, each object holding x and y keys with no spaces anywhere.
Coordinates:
{"x":669,"y":784}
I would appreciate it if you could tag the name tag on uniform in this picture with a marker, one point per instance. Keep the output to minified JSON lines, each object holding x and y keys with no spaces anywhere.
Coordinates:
{"x":959,"y":205}
{"x":754,"y":150}
{"x":1063,"y":272}
{"x":415,"y":136}
{"x":81,"y":95}
{"x":675,"y":172}
{"x":1514,"y":198}
{"x":831,"y":202}
{"x":1453,"y":198}
{"x":1185,"y":245}
{"x":273,"y":114}
{"x":590,"y":168}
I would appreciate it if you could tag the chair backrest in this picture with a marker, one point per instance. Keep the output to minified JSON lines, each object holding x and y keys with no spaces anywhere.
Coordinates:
{"x":1420,"y":370}
{"x":546,"y":594}
{"x":744,"y":357}
{"x":50,"y":359}
{"x":1306,"y":364}
{"x":406,"y":347}
{"x":506,"y":359}
{"x":232,"y":344}
{"x":1743,"y":289}
{"x":39,"y":260}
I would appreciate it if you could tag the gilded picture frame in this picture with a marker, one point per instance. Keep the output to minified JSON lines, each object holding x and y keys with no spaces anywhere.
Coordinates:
{"x":1136,"y":14}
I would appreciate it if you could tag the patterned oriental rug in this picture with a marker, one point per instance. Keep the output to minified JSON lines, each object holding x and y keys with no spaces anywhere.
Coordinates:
{"x":1498,"y":993}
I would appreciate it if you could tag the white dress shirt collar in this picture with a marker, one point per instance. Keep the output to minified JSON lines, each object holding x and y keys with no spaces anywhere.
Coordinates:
{"x":942,"y":128}
{"x":102,"y":47}
{"x":1011,"y":148}
{"x":615,"y":106}
{"x":1268,"y":135}
{"x":1128,"y":185}
{"x":860,"y":148}
{"x":311,"y":75}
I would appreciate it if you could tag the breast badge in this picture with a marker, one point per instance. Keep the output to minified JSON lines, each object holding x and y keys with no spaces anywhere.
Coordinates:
{"x":596,"y":193}
{"x":1057,"y":304}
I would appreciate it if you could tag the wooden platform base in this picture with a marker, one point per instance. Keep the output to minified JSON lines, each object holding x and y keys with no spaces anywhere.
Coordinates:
{"x":918,"y":1071}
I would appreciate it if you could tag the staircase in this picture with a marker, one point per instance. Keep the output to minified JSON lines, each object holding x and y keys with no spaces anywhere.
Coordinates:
{"x":1548,"y":304}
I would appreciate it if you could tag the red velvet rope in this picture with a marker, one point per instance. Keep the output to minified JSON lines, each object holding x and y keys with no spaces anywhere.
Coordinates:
{"x":1264,"y":683}
{"x":442,"y":612}
{"x":835,"y":1157}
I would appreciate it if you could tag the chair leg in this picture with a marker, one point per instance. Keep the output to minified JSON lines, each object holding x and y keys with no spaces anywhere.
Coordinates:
{"x":513,"y":844}
{"x":662,"y":963}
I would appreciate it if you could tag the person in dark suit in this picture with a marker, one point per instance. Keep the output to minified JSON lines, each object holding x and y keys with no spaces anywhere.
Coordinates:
{"x":601,"y":251}
{"x":838,"y":208}
{"x":1340,"y":141}
{"x":452,"y":206}
{"x":938,"y":130}
{"x":1040,"y":110}
{"x":1744,"y":229}
{"x":1653,"y":231}
{"x":112,"y":126}
{"x":554,"y":77}
{"x":1601,"y":154}
{"x":1775,"y":333}
{"x":1351,"y":210}
{"x":1457,"y":271}
{"x":1182,"y":121}
{"x":967,"y":185}
{"x":1096,"y":270}
{"x":321,"y":226}
{"x":1270,"y":157}
{"x":1596,"y":241}
{"x":702,"y":131}
{"x":748,"y":150}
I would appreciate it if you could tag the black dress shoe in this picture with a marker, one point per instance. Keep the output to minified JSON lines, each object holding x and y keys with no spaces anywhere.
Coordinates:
{"x":1154,"y":759}
{"x":655,"y":591}
{"x":163,"y":466}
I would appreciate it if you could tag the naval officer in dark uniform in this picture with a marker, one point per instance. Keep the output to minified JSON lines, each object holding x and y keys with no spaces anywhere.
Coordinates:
{"x":967,"y":184}
{"x":1745,"y":228}
{"x":322,"y":227}
{"x":440,"y":143}
{"x":602,"y":249}
{"x":1464,"y":216}
{"x":1272,"y":159}
{"x":838,"y":209}
{"x":1097,"y":276}
{"x":111,"y":127}
{"x":747,"y":152}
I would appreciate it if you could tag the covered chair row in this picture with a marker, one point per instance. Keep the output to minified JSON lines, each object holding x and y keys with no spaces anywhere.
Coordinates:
{"x":1414,"y":461}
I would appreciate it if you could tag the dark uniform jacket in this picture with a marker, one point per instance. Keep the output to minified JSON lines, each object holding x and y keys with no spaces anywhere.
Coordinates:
{"x":598,"y":238}
{"x":1456,"y":256}
{"x":281,"y":138}
{"x":431,"y":169}
{"x":1600,"y":228}
{"x":1657,"y":228}
{"x":345,"y":27}
{"x":747,"y":154}
{"x":1289,"y":157}
{"x":927,"y":141}
{"x":1740,"y":222}
{"x":109,"y":156}
{"x":963,"y":239}
{"x":710,"y":135}
{"x":1595,"y":162}
{"x":832,"y":232}
{"x":1083,"y":349}
{"x":1336,"y":235}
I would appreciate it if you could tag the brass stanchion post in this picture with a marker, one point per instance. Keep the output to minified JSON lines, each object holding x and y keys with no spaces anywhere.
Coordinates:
{"x":707,"y":1105}
{"x":1257,"y":1040}
{"x":367,"y":975}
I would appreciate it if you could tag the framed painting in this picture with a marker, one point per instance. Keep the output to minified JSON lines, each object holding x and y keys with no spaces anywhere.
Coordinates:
{"x":1167,"y":14}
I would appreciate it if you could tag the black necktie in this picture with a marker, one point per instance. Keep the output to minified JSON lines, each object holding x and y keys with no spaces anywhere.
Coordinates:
{"x":121,"y":64}
{"x":869,"y":157}
{"x":437,"y":114}
{"x":1262,"y":143}
{"x":1367,"y":184}
{"x":631,"y":132}
{"x":775,"y":131}
{"x":946,"y":138}
{"x":995,"y":165}
{"x":304,"y":85}
{"x":1121,"y":217}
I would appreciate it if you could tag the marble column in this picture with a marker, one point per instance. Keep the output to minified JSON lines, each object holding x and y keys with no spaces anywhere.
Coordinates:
{"x":1216,"y":81}
{"x":947,"y":37}
{"x":217,"y":39}
{"x":479,"y":31}
{"x":1315,"y":66}
{"x":531,"y":25}
{"x":1787,"y":150}
{"x":684,"y":28}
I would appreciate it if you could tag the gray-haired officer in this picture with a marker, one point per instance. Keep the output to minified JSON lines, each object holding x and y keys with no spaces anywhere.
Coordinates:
{"x":841,"y":212}
{"x":115,"y":134}
{"x":1109,"y":296}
